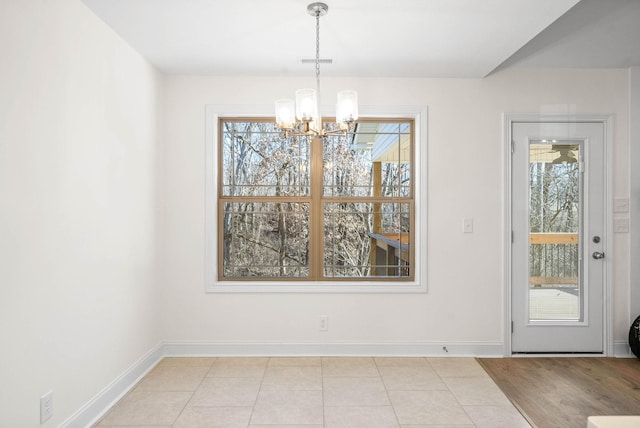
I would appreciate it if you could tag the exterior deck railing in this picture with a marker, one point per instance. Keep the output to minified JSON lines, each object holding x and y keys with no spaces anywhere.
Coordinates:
{"x":553,"y":259}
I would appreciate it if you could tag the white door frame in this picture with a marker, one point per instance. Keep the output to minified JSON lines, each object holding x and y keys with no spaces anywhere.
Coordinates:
{"x":607,"y":121}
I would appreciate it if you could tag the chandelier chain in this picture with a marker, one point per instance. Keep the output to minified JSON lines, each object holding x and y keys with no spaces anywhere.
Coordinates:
{"x":318,"y":53}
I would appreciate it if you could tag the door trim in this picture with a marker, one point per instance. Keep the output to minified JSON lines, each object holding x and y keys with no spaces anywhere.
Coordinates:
{"x":607,"y":121}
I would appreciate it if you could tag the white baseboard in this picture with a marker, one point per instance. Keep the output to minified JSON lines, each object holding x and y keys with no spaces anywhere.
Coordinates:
{"x":621,"y":349}
{"x":91,"y":412}
{"x":376,"y":349}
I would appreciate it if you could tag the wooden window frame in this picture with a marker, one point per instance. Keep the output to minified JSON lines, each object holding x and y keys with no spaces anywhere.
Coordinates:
{"x":416,"y":282}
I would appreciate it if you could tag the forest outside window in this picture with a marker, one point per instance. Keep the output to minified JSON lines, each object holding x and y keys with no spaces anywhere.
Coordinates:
{"x":338,"y":208}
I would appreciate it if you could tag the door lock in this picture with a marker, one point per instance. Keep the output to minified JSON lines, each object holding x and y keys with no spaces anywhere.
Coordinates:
{"x":598,"y":255}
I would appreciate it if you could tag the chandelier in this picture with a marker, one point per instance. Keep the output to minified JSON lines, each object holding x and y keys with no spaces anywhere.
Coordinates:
{"x":302,"y":117}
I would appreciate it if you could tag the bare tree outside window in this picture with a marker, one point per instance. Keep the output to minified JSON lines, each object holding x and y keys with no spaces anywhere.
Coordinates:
{"x":314,"y":209}
{"x":555,"y":217}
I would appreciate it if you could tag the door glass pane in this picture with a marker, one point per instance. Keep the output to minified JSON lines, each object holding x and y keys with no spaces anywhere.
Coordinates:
{"x":555,"y":291}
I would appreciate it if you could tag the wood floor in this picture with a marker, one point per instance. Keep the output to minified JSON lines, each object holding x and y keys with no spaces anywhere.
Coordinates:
{"x":563,"y":392}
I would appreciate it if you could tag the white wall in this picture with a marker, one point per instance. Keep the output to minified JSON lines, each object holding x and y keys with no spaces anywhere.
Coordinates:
{"x":466,"y":161}
{"x":634,"y":204}
{"x":78,"y":165}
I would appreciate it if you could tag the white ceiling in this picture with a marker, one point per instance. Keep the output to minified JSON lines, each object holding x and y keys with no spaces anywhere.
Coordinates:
{"x":594,"y":34}
{"x":375,"y":38}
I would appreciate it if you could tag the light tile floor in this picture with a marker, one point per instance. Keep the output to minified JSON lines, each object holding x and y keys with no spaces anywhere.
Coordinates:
{"x":329,"y":392}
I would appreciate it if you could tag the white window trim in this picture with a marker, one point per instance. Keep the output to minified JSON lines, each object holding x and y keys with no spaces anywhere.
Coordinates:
{"x":214,"y":112}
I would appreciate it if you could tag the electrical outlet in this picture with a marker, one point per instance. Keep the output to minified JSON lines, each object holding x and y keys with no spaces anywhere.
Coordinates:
{"x":46,"y":406}
{"x":324,"y":323}
{"x":467,"y":225}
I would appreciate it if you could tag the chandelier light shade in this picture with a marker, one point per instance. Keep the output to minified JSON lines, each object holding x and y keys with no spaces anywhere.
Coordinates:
{"x":285,"y":114}
{"x":302,"y":117}
{"x":347,"y":107}
{"x":306,"y":104}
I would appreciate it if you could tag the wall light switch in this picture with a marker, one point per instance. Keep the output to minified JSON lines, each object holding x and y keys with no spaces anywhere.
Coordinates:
{"x":467,"y":225}
{"x":621,"y":205}
{"x":621,"y":225}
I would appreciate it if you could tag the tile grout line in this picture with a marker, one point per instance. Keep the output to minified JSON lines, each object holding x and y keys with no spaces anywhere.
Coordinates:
{"x":393,"y":408}
{"x":192,"y":392}
{"x":452,"y":394}
{"x":255,"y":402}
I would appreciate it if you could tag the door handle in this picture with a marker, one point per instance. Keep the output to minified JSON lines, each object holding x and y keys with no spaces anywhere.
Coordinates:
{"x":598,"y":255}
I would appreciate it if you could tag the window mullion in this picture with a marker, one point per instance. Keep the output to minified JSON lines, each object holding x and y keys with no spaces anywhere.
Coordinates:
{"x":316,"y":217}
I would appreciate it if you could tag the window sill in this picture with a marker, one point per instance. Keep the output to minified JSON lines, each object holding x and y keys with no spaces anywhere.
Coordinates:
{"x":315,"y":287}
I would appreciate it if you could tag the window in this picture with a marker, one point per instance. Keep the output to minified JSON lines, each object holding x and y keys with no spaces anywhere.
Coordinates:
{"x":303,"y":213}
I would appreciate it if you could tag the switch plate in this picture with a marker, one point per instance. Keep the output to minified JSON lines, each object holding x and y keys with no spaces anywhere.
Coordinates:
{"x":621,"y":205}
{"x":621,"y":225}
{"x":46,"y":406}
{"x":467,"y":225}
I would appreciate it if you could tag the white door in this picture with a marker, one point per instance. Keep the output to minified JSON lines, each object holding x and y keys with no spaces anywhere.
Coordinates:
{"x":558,"y":240}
